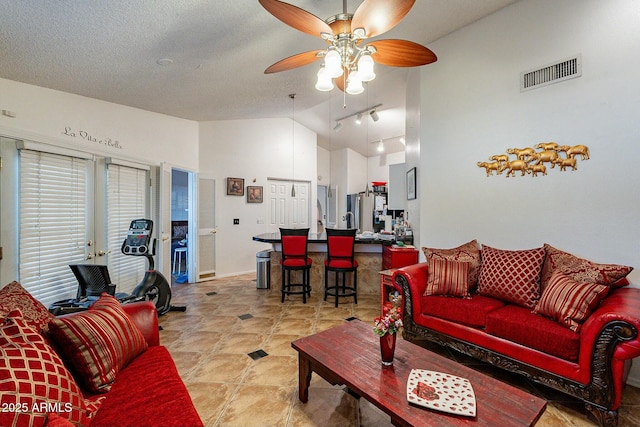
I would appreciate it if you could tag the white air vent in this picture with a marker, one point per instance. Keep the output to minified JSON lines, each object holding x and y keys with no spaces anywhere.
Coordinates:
{"x":553,"y":73}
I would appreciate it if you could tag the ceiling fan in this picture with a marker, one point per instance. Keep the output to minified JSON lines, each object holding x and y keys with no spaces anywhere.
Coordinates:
{"x":348,"y":59}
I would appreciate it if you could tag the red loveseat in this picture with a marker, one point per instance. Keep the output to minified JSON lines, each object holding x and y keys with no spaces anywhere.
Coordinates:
{"x":591,"y":362}
{"x":60,"y":372}
{"x":148,"y":391}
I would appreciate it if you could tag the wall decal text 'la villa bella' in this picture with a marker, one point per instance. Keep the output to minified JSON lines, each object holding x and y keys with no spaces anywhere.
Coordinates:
{"x":68,"y":131}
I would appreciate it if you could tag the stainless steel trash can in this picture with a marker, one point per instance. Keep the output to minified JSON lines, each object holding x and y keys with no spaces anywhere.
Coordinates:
{"x":263,"y":269}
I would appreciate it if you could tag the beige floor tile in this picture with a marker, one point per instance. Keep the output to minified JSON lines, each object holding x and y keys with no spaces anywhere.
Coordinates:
{"x":280,"y":345}
{"x":186,"y":361}
{"x":210,"y":399}
{"x":200,"y":340}
{"x":241,"y":343}
{"x":295,"y":326}
{"x":222,"y":368}
{"x":326,"y":407}
{"x":273,"y":370}
{"x":257,"y":406}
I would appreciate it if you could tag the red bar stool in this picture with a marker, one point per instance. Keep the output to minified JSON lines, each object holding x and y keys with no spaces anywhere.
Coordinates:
{"x":340,"y":259}
{"x":295,"y":258}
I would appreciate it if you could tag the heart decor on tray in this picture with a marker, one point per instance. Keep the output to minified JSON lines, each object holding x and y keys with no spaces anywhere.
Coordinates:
{"x":442,"y":392}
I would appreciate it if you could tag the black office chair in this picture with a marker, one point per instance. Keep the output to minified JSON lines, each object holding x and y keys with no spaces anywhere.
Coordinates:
{"x":93,"y":280}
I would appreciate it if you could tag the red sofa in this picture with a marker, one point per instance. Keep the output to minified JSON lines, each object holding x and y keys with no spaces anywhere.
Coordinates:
{"x":591,"y":363}
{"x":43,"y":382}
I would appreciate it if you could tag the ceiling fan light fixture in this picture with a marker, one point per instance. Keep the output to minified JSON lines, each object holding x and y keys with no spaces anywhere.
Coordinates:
{"x":333,"y":64}
{"x":365,"y":68}
{"x":324,"y":83}
{"x":354,"y":84}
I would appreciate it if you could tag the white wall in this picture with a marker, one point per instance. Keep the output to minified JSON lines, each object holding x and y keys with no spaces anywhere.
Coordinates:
{"x":254,"y":150}
{"x":43,"y":115}
{"x":378,"y":166}
{"x":472,"y":108}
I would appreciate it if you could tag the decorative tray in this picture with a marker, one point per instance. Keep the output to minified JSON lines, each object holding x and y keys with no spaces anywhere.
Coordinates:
{"x":442,"y":392}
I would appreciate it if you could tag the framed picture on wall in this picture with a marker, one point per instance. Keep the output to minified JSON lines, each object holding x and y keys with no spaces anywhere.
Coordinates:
{"x":254,"y":194}
{"x":411,"y":184}
{"x":235,"y":186}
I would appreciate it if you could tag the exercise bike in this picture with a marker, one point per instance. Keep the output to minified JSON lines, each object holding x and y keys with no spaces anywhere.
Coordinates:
{"x":154,"y":286}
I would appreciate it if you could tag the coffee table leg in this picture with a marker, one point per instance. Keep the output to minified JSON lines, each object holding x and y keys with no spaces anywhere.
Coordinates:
{"x":304,"y":378}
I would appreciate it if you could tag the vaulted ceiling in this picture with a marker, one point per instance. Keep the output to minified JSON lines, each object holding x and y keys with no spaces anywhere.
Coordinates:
{"x":215,"y":54}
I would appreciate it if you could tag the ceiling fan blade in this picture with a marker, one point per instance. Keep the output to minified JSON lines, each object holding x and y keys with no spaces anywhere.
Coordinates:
{"x":294,"y":61}
{"x":401,"y":53}
{"x":297,"y":18}
{"x":379,"y":16}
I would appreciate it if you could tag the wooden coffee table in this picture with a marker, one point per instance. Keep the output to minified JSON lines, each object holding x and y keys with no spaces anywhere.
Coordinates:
{"x":349,"y":354}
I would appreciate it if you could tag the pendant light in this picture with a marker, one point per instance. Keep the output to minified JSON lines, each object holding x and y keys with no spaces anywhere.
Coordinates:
{"x":293,"y":143}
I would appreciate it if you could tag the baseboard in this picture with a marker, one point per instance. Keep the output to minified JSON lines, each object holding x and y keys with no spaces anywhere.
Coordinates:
{"x":632,"y":381}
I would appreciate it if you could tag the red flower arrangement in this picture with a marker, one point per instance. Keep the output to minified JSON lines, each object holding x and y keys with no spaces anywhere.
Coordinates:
{"x":389,"y":323}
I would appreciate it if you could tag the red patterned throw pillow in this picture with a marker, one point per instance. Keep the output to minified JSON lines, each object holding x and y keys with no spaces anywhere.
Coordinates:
{"x":569,"y":302}
{"x":14,"y":297}
{"x":447,"y":278}
{"x":579,"y":269}
{"x":34,"y":381}
{"x":469,"y":252}
{"x":98,"y":342}
{"x":512,"y":276}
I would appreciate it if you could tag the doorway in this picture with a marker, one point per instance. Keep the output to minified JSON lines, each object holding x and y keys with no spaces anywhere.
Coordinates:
{"x":180,"y":217}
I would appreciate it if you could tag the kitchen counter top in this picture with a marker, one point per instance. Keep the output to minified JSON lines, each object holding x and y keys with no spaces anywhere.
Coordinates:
{"x":322,"y":238}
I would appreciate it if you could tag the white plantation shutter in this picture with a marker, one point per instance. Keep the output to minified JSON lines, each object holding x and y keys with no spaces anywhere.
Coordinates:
{"x":127,"y":195}
{"x":53,"y":223}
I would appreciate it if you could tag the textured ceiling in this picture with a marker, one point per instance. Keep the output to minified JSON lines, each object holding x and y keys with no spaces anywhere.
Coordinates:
{"x":108,"y":50}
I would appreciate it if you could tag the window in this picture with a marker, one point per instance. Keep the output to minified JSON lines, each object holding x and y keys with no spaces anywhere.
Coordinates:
{"x":53,"y":222}
{"x":127,"y":189}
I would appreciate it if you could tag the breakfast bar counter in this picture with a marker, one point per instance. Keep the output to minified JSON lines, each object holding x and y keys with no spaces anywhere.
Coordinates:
{"x":368,"y":253}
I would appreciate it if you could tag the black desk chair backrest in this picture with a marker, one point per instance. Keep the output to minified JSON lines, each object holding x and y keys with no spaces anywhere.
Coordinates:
{"x":93,"y":280}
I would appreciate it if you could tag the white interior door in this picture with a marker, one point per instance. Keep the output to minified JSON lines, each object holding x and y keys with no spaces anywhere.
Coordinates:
{"x":206,"y":200}
{"x":285,"y":210}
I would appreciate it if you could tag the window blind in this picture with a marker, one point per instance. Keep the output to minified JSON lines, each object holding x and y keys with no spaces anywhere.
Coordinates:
{"x":127,"y":189}
{"x":53,"y":223}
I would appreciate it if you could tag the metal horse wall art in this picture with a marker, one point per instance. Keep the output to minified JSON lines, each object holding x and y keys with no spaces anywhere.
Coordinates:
{"x":534,"y":161}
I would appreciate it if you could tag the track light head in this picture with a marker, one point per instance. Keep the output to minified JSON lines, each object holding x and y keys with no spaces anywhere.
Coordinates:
{"x":374,"y":115}
{"x":359,"y":119}
{"x":337,"y":127}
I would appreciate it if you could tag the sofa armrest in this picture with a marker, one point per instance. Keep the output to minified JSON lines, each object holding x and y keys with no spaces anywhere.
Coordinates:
{"x":412,"y":280}
{"x":145,"y":316}
{"x":616,"y":320}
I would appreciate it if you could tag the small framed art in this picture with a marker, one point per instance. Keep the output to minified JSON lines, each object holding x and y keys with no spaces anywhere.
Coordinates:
{"x":254,"y":194}
{"x":235,"y":186}
{"x":411,"y":184}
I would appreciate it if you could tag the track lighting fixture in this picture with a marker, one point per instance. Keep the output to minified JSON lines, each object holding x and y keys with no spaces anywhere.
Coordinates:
{"x":359,"y":116}
{"x":380,"y":146}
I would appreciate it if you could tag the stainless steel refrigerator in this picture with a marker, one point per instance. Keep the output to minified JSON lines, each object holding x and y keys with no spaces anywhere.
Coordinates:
{"x":361,"y":207}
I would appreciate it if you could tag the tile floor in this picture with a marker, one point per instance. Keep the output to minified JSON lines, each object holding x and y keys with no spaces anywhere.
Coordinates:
{"x":227,"y":319}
